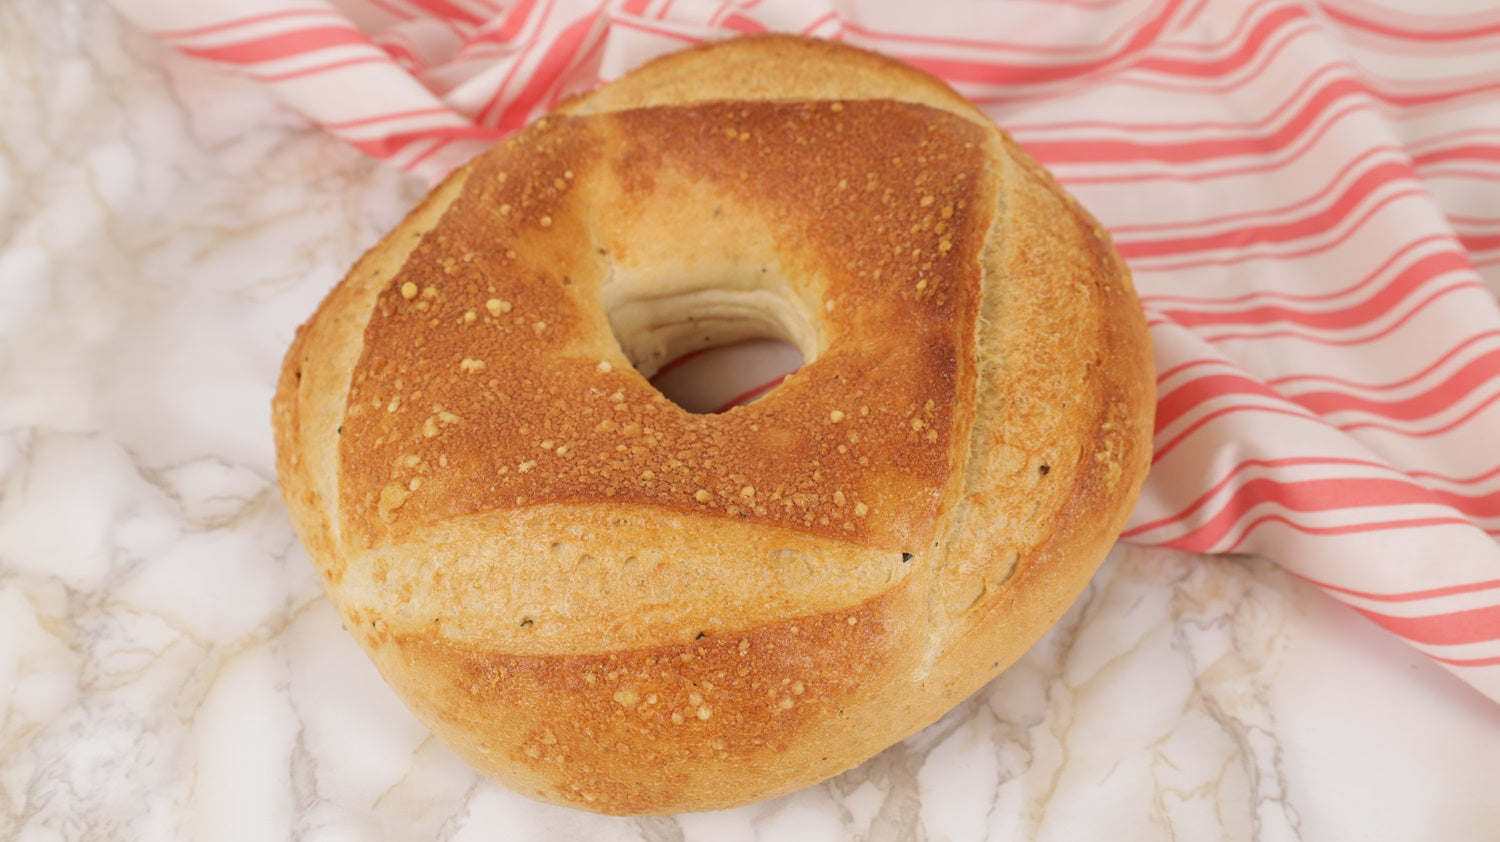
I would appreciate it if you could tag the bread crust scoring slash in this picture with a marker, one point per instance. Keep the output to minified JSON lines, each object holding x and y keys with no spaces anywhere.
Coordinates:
{"x":602,"y":600}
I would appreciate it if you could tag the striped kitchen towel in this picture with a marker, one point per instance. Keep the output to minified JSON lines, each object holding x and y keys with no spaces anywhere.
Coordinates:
{"x":1304,"y":189}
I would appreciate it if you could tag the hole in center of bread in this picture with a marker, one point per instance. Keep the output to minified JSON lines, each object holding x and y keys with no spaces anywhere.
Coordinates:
{"x":710,"y":343}
{"x":721,"y":378}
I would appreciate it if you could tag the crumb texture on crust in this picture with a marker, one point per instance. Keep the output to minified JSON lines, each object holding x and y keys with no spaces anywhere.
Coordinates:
{"x":605,"y":601}
{"x":699,"y":725}
{"x":462,"y":405}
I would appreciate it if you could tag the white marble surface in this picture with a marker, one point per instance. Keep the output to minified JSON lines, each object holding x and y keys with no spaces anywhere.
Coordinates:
{"x":169,"y":668}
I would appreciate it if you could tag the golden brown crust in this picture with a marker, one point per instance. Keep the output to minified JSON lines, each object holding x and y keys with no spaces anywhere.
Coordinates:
{"x":714,"y":721}
{"x":559,"y":569}
{"x":514,"y":403}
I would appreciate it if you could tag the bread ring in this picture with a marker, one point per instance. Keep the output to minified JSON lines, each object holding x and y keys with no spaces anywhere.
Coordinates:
{"x":602,"y":600}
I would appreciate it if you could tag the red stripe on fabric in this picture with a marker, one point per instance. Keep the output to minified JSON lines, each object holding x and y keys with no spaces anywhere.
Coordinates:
{"x":1279,"y":382}
{"x":1340,"y":494}
{"x":1248,"y":297}
{"x":1163,"y":449}
{"x":1260,"y":235}
{"x":382,"y":148}
{"x":1246,"y":52}
{"x":315,"y":70}
{"x":724,"y":8}
{"x":1480,"y":242}
{"x":1345,"y":529}
{"x":1467,"y":381}
{"x":433,"y":146}
{"x":395,"y":10}
{"x":1013,"y":83}
{"x":1314,"y":109}
{"x":1438,"y":140}
{"x":1192,"y":15}
{"x":549,"y":70}
{"x":1289,"y":462}
{"x":282,"y":45}
{"x":1409,"y":596}
{"x":1162,"y":377}
{"x":994,"y":72}
{"x":1413,"y":103}
{"x":1476,"y":625}
{"x":1467,"y":662}
{"x":1392,"y":31}
{"x":986,"y":44}
{"x":392,"y":115}
{"x":400,"y":52}
{"x":745,"y":397}
{"x":1287,"y":104}
{"x":644,"y":26}
{"x":1015,"y":91}
{"x":584,"y":59}
{"x":1075,"y":174}
{"x":1470,"y":222}
{"x":1472,"y":480}
{"x":510,"y":26}
{"x":487,"y":113}
{"x":1428,"y":433}
{"x":1464,"y":152}
{"x":1087,"y":4}
{"x":176,"y":34}
{"x":1312,"y":197}
{"x":745,"y":26}
{"x":447,"y":12}
{"x":1434,"y":97}
{"x":1441,"y":292}
{"x":1031,"y":132}
{"x":812,"y":27}
{"x":1484,"y":506}
{"x":1185,"y":398}
{"x":1343,"y":206}
{"x":1435,"y":172}
{"x":385,"y":147}
{"x":1383,"y":301}
{"x":416,"y":161}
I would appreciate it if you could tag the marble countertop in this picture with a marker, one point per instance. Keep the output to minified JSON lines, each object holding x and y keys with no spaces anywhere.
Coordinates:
{"x":170,"y":668}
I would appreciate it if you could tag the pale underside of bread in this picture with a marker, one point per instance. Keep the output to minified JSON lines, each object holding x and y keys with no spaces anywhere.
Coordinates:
{"x":708,"y":637}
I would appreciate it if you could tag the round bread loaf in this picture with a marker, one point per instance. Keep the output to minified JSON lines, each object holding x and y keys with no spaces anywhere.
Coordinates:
{"x":602,"y":600}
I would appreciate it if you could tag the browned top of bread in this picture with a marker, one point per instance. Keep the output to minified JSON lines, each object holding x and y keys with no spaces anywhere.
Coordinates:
{"x":460,"y":405}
